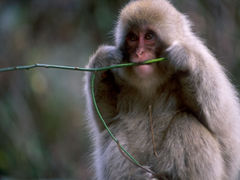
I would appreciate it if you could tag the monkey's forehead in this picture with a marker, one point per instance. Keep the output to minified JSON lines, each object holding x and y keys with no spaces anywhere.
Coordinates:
{"x":153,"y":13}
{"x":147,"y":11}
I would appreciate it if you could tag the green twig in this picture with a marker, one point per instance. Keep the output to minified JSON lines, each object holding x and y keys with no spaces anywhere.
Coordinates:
{"x":105,"y":125}
{"x":92,"y":89}
{"x":27,"y":67}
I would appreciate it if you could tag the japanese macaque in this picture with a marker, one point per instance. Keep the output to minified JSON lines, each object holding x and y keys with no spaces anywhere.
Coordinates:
{"x":179,"y":118}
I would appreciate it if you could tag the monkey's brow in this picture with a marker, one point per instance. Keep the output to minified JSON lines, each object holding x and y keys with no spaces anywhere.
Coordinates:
{"x":27,"y":67}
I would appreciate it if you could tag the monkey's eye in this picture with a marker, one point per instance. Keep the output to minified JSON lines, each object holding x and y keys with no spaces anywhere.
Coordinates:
{"x":149,"y":36}
{"x":132,"y":37}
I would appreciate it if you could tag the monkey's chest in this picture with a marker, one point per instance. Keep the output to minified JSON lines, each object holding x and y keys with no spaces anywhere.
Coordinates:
{"x":145,"y":134}
{"x":143,"y":126}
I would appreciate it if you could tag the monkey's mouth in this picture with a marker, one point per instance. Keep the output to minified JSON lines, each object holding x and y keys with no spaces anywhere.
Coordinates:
{"x":143,"y":70}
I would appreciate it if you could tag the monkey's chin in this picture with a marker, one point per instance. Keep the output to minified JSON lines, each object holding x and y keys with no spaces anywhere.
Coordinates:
{"x":144,"y":71}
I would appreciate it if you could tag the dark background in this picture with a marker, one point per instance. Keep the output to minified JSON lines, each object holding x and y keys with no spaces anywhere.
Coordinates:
{"x":42,"y":125}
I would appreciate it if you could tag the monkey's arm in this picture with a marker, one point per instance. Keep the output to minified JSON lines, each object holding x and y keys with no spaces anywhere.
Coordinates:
{"x":205,"y":89}
{"x":106,"y":89}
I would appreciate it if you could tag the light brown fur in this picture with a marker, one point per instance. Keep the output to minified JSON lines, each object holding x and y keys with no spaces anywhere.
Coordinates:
{"x":195,"y":109}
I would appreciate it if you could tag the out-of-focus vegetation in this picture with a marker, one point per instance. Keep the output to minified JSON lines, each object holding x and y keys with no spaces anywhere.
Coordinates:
{"x":42,"y":122}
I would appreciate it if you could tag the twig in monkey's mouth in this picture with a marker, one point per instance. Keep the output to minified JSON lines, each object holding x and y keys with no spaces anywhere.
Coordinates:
{"x":26,"y":67}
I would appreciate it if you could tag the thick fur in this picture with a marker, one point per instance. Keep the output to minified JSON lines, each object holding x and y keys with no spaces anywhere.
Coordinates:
{"x":195,"y":109}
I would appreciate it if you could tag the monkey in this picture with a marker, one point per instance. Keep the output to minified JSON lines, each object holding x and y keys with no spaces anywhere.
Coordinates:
{"x":179,"y":118}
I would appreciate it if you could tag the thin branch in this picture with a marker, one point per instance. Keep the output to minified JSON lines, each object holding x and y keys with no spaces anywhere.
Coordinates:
{"x":27,"y":67}
{"x":152,"y":131}
{"x":121,"y":148}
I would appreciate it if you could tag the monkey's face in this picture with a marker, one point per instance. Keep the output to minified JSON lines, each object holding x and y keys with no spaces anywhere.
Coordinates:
{"x":142,"y":44}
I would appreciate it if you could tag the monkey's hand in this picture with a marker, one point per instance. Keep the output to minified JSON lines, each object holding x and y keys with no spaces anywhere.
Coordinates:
{"x":105,"y":56}
{"x":178,"y":57}
{"x":106,"y":89}
{"x":144,"y":175}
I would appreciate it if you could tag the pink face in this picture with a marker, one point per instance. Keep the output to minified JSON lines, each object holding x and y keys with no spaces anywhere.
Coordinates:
{"x":141,"y":46}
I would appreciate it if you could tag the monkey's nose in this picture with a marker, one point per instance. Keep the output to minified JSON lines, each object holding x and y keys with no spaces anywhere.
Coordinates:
{"x":140,"y":52}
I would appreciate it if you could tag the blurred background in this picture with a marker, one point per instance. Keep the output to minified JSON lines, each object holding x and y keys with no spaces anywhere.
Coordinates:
{"x":43,"y":130}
